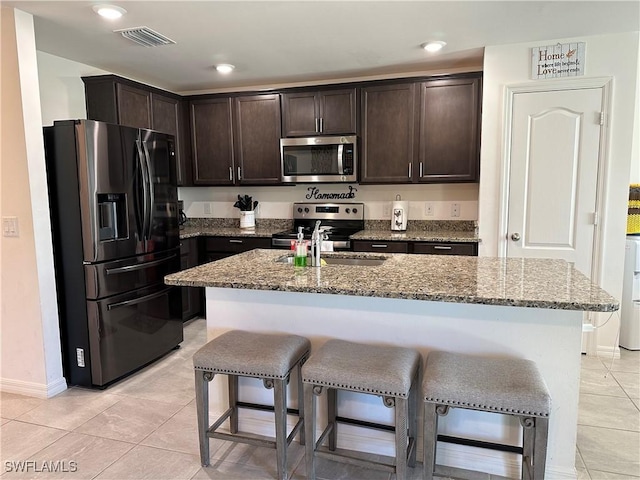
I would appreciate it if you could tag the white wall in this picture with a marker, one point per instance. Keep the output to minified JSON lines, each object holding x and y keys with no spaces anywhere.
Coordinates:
{"x":613,"y":56}
{"x":31,"y":355}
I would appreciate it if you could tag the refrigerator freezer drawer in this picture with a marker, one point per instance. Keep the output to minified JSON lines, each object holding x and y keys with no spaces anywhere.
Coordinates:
{"x":112,"y":278}
{"x":128,"y":331}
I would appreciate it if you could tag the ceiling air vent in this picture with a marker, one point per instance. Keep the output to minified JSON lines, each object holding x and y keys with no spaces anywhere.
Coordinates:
{"x":145,"y":36}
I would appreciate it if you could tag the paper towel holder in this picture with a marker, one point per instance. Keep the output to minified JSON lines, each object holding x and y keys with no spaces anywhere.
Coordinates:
{"x":399,"y":214}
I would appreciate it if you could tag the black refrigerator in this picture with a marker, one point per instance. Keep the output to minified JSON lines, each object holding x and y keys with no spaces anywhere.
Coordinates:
{"x":114,"y":215}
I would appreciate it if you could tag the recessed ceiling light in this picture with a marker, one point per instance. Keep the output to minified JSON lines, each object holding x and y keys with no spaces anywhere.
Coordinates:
{"x":109,"y":11}
{"x":225,"y":68}
{"x":433,"y":46}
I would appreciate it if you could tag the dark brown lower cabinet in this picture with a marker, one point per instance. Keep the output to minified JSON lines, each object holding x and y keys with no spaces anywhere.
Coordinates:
{"x":222,"y":247}
{"x":192,"y":297}
{"x":428,"y":248}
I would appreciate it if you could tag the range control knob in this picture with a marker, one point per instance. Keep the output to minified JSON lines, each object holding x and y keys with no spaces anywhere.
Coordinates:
{"x":306,"y":209}
{"x":299,"y":209}
{"x":347,"y":210}
{"x":355,"y":210}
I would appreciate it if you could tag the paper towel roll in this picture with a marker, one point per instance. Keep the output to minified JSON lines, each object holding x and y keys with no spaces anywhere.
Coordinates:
{"x":399,"y":215}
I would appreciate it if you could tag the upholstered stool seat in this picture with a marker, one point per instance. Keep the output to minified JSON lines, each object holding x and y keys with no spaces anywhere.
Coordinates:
{"x":387,"y":371}
{"x":509,"y":386}
{"x":270,"y":357}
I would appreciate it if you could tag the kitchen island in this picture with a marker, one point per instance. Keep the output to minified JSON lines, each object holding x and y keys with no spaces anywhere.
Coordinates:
{"x":525,"y":308}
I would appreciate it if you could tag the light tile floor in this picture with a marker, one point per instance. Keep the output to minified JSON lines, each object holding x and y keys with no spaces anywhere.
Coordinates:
{"x":144,"y":428}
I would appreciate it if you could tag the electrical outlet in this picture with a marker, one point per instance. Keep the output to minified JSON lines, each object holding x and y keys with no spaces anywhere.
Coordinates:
{"x":428,"y":209}
{"x":455,"y":209}
{"x":386,"y":210}
{"x":207,"y":208}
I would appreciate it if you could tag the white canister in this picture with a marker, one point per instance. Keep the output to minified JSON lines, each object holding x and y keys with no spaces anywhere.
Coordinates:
{"x":248,"y":219}
{"x":399,"y":214}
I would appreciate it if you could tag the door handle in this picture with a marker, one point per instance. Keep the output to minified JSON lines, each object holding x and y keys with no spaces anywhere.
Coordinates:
{"x":379,"y":245}
{"x":231,"y":173}
{"x":410,"y":170}
{"x":140,"y":266}
{"x":515,"y":237}
{"x":239,"y":176}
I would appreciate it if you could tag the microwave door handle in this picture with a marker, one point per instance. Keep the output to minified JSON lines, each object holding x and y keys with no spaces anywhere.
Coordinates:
{"x":340,"y":154}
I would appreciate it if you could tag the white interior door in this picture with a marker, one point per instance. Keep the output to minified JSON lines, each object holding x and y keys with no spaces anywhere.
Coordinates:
{"x":555,"y":145}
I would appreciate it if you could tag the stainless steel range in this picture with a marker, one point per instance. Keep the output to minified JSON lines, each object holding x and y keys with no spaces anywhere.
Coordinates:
{"x":339,"y":220}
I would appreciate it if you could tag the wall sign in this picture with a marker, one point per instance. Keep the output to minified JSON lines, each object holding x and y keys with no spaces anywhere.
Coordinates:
{"x":315,"y":194}
{"x":559,"y":60}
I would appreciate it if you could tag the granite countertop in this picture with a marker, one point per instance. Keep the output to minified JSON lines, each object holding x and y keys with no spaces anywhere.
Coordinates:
{"x":416,"y":236}
{"x":190,"y":232}
{"x":537,"y":283}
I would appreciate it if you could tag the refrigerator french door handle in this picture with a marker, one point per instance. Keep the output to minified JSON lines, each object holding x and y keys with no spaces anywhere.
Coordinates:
{"x":140,"y":266}
{"x":136,"y":301}
{"x":150,"y":190}
{"x":145,"y":188}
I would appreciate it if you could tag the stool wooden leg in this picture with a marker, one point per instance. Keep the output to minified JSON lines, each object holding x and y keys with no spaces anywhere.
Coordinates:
{"x":202,"y":379}
{"x":332,"y":413}
{"x":539,"y":458}
{"x":300,"y":403}
{"x":310,"y":430}
{"x":402,"y":415}
{"x":233,"y":403}
{"x":430,"y":436}
{"x":280,"y":410}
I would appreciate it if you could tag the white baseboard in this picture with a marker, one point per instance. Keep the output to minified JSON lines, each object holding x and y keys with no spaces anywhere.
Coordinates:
{"x":382,"y":443}
{"x":33,"y":389}
{"x":608,"y":352}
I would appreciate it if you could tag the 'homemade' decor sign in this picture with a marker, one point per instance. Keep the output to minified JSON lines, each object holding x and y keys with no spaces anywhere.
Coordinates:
{"x":559,"y":60}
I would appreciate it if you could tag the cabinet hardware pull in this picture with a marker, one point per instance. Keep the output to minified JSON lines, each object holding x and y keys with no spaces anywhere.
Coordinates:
{"x":379,"y":245}
{"x":317,"y":125}
{"x":239,"y":176}
{"x":421,"y":170}
{"x":441,"y":247}
{"x":321,"y":124}
{"x":410,"y":170}
{"x":235,"y":241}
{"x":231,"y":173}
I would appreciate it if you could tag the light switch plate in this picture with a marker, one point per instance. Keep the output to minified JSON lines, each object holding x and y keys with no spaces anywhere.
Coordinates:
{"x":10,"y":227}
{"x":455,"y":209}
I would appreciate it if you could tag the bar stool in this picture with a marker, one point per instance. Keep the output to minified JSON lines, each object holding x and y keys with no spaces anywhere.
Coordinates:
{"x":270,"y":357}
{"x":509,"y":386}
{"x":389,"y":372}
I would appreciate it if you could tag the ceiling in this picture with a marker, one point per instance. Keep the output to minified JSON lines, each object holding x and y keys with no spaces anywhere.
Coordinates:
{"x":298,"y":42}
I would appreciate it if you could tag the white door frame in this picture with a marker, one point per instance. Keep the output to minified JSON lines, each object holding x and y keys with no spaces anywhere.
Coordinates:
{"x":603,"y":166}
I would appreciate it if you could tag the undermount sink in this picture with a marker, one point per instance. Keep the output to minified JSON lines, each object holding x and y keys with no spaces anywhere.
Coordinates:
{"x":331,"y":260}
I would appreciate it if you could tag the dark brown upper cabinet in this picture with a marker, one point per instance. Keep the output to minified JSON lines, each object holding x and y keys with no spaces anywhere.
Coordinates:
{"x":423,"y":132}
{"x":449,"y":130}
{"x":388,"y":140}
{"x":235,"y":140}
{"x":325,"y":112}
{"x":257,"y":139}
{"x":113,"y":99}
{"x":212,"y":141}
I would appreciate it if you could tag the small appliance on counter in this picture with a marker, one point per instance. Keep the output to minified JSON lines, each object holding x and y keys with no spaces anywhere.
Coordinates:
{"x":182,"y":218}
{"x":399,"y":214}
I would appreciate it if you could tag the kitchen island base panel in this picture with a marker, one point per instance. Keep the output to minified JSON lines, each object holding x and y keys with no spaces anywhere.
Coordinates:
{"x":551,"y":338}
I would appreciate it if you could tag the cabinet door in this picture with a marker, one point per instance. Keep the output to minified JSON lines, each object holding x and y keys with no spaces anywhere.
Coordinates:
{"x":337,"y":112}
{"x":445,"y":248}
{"x":299,"y":114}
{"x":165,"y":117}
{"x":386,"y":247}
{"x":134,"y":106}
{"x":212,"y":142}
{"x":388,"y":138}
{"x":257,"y":139}
{"x":449,"y":130}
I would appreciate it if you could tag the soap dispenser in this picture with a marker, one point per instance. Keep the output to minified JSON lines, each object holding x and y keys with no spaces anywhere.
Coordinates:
{"x":300,"y":252}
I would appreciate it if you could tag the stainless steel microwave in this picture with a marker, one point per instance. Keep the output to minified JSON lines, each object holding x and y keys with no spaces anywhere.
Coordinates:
{"x":319,"y":159}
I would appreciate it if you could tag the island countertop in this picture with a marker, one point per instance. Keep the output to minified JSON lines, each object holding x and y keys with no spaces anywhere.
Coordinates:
{"x":519,"y":282}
